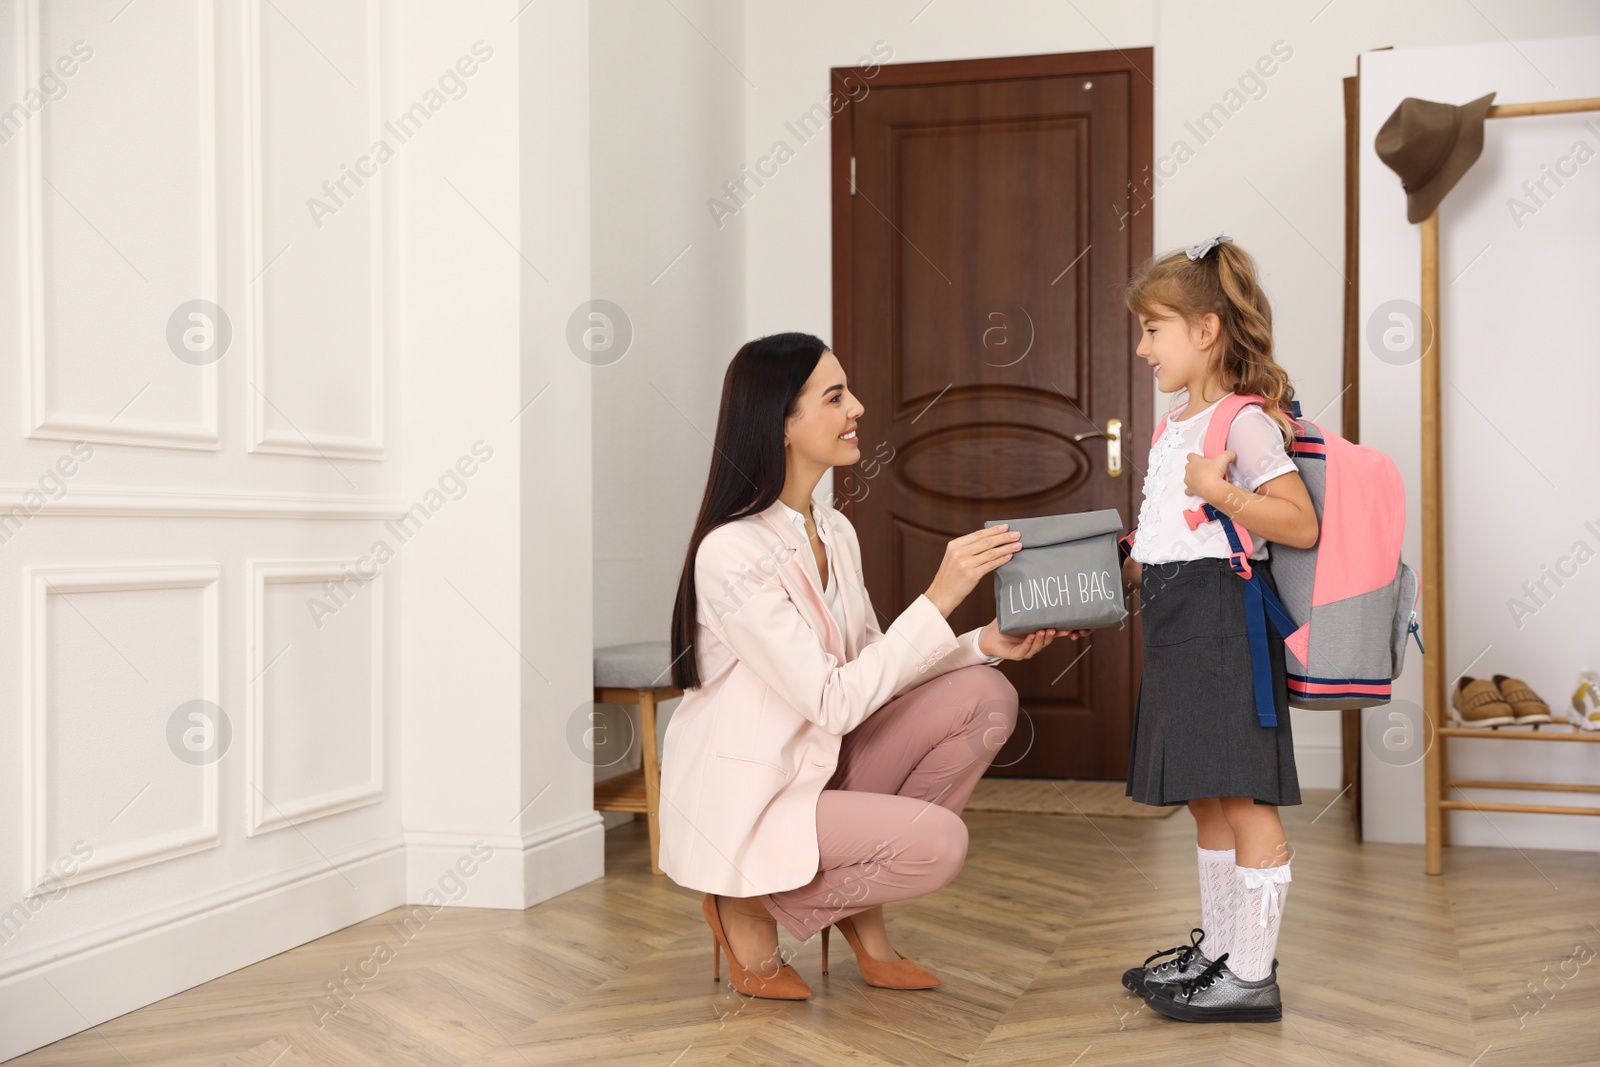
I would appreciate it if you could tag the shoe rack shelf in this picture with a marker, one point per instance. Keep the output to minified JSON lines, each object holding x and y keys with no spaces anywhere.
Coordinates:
{"x":1516,"y":734}
{"x":1438,"y":785}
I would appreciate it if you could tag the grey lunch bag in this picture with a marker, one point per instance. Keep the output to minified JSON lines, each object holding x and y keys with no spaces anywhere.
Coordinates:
{"x":1067,"y":576}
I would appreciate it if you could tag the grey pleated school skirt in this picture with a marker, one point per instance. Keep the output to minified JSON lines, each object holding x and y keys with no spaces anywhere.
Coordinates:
{"x":1195,"y":732}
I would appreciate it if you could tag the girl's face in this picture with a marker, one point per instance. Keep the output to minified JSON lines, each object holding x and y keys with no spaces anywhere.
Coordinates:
{"x":1178,"y":353}
{"x":822,"y":432}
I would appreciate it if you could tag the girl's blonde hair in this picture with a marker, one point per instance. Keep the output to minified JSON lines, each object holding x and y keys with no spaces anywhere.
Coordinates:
{"x":1223,"y":281}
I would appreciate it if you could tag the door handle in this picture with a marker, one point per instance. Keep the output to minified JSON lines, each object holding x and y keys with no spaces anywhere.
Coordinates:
{"x":1113,"y":435}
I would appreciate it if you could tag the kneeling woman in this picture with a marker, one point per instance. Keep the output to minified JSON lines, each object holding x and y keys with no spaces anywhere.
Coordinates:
{"x":817,"y":765}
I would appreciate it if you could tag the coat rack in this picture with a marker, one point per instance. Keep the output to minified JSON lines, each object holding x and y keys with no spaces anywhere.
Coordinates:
{"x":1436,"y":762}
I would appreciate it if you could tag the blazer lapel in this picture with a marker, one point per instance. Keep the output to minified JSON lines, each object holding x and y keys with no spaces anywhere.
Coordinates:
{"x":801,"y":572}
{"x":844,"y":566}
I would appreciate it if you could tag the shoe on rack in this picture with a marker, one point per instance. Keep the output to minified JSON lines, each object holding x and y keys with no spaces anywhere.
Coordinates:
{"x":1526,"y":705}
{"x":885,"y":974}
{"x":784,"y":983}
{"x":1187,"y":961}
{"x":1585,"y":710}
{"x":1217,"y":995}
{"x":1477,"y":702}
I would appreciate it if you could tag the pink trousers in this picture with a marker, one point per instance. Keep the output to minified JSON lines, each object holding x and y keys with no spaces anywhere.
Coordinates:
{"x":889,"y":820}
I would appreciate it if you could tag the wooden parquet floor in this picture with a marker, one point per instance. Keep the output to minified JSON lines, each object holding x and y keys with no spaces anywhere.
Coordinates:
{"x":1381,"y":965}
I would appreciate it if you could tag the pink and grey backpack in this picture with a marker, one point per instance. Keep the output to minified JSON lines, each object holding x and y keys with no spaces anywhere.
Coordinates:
{"x":1347,"y":602}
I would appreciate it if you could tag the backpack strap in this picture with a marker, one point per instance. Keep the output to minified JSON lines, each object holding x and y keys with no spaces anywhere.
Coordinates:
{"x":1261,"y":604}
{"x":1216,"y":443}
{"x":1222,"y":420}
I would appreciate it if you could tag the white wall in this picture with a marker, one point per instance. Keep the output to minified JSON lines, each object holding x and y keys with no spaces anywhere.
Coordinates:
{"x":497,"y":648}
{"x":409,"y":744}
{"x":178,"y":557}
{"x":562,"y":843}
{"x":1520,"y":369}
{"x":666,"y":119}
{"x":666,"y":122}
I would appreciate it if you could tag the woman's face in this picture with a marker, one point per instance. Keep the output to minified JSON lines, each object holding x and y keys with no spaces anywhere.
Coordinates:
{"x":822,"y":431}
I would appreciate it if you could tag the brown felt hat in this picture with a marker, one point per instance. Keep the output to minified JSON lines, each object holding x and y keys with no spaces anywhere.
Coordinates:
{"x":1431,"y":145}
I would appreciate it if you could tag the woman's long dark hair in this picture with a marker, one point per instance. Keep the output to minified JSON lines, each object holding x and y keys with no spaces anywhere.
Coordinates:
{"x":748,"y":467}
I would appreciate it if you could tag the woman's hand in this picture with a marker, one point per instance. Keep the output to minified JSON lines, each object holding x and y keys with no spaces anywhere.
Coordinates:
{"x":966,"y":560}
{"x":1016,"y":646}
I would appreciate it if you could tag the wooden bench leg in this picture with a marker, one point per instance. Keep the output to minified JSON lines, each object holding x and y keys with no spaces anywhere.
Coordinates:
{"x":652,"y":774}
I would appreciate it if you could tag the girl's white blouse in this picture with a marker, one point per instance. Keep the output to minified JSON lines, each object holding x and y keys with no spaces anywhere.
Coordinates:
{"x":1164,"y":534}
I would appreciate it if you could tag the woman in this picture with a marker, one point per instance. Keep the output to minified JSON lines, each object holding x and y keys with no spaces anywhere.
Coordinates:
{"x":817,"y":765}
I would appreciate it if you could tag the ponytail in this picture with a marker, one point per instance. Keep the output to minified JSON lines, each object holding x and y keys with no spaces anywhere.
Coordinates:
{"x":1223,"y":282}
{"x":1247,"y":363}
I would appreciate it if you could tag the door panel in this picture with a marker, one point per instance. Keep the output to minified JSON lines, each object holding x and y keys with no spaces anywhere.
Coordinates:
{"x":988,"y":243}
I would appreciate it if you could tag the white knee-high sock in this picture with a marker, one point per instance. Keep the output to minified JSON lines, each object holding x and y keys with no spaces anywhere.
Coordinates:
{"x":1217,"y":890}
{"x":1258,"y":912}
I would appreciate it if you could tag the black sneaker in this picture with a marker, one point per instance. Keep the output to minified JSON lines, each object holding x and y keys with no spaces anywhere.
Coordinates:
{"x":1217,"y":995}
{"x":1187,"y":962}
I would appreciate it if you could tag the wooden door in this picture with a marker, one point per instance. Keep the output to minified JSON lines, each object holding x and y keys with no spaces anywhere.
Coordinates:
{"x":982,"y":243}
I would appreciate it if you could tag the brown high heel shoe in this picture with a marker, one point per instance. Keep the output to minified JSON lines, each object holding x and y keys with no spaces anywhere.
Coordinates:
{"x":786,"y":984}
{"x":892,"y":974}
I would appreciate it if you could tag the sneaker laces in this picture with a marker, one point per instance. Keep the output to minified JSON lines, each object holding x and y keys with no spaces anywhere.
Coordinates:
{"x":1184,"y":953}
{"x":1188,"y":987}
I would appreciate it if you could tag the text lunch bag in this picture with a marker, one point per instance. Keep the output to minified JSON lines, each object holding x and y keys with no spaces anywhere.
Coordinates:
{"x":1068,"y":574}
{"x":1355,"y":601}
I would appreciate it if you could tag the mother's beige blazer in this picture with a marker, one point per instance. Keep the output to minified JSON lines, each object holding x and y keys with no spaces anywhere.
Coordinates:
{"x":748,"y":752}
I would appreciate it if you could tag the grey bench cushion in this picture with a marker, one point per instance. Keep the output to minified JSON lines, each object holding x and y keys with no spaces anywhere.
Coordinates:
{"x":642,"y":665}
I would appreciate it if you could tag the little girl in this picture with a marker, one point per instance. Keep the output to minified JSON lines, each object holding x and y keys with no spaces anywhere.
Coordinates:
{"x":1207,"y":329}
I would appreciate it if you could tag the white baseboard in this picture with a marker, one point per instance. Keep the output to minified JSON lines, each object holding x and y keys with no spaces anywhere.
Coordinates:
{"x":1320,"y":766}
{"x":114,"y":971}
{"x":563,"y":858}
{"x":60,"y":989}
{"x":484,"y":871}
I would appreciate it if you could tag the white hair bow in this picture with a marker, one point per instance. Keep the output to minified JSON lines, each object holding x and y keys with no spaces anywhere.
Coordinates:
{"x":1199,"y":251}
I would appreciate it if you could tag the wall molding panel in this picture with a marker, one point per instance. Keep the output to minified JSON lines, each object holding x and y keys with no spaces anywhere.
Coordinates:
{"x":147,"y":502}
{"x":271,"y":430}
{"x":43,"y":749}
{"x":250,"y":618}
{"x":269,"y":659}
{"x":42,"y":417}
